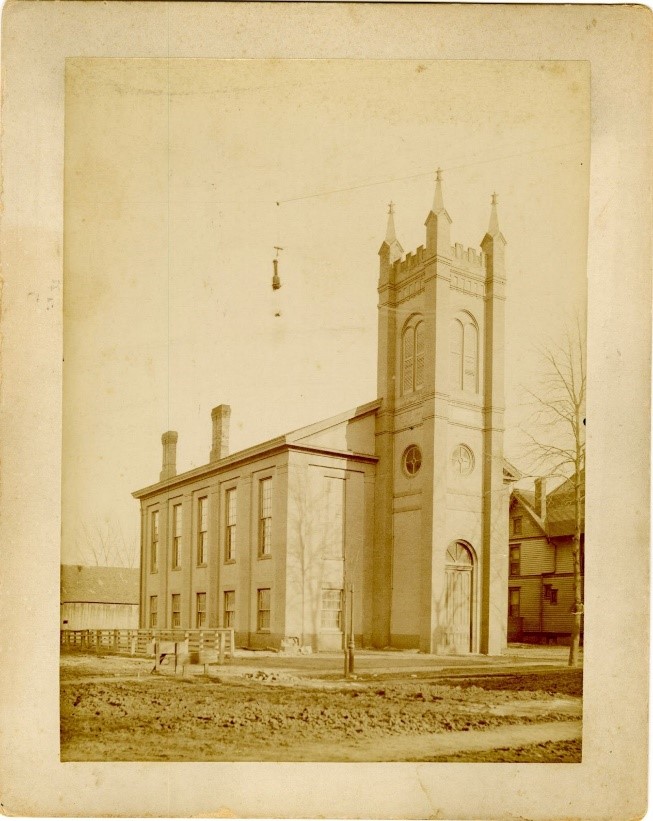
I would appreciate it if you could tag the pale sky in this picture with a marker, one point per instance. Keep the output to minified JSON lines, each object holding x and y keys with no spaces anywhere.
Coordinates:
{"x":172,"y":174}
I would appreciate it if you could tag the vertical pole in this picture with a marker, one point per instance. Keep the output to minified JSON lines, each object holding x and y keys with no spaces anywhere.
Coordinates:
{"x":351,"y":645}
{"x":345,"y":643}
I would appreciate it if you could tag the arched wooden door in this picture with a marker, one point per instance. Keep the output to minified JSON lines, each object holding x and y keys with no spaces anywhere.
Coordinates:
{"x":458,"y":598}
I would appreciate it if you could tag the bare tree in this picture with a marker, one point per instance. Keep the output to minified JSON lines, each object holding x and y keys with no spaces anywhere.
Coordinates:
{"x":102,"y":543}
{"x":556,"y":441}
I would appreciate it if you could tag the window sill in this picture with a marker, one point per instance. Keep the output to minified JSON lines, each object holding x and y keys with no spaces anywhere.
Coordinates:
{"x":202,"y":564}
{"x":229,"y":561}
{"x":263,"y":630}
{"x":176,"y":567}
{"x":265,"y":555}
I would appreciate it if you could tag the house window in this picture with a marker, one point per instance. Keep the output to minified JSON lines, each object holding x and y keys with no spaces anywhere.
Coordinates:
{"x":331,"y":609}
{"x":265,"y":517}
{"x":333,"y":529}
{"x":550,"y":594}
{"x":464,"y":353}
{"x":517,"y":526}
{"x":154,"y":540}
{"x":153,"y":610}
{"x":230,"y":528}
{"x":412,"y":358}
{"x":176,"y":610}
{"x":514,"y":596}
{"x":263,"y":609}
{"x":515,"y":559}
{"x":176,"y":536}
{"x":202,"y":528}
{"x":200,"y":610}
{"x":229,"y":611}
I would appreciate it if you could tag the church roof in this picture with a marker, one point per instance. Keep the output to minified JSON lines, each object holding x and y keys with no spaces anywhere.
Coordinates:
{"x":314,"y":437}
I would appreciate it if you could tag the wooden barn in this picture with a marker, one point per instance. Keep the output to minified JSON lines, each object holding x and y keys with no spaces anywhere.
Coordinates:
{"x":99,"y":598}
{"x":540,"y":594}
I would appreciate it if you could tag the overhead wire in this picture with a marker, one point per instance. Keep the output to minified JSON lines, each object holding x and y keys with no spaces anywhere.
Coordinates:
{"x":427,"y":173}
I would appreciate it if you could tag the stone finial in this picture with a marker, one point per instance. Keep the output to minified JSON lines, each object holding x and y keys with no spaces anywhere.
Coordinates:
{"x":493,"y":228}
{"x":220,"y":417}
{"x":438,"y":200}
{"x":438,"y":222}
{"x":391,"y":249}
{"x":169,"y":467}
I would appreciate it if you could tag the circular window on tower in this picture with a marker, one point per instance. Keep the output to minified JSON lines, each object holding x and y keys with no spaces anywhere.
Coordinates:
{"x":462,"y":460}
{"x":412,"y":460}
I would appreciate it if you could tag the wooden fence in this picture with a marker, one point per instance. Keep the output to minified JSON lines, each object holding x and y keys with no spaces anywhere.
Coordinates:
{"x":203,"y":645}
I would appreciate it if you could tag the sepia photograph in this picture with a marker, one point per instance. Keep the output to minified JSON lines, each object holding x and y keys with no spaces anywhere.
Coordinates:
{"x":323,"y":456}
{"x":325,"y":357}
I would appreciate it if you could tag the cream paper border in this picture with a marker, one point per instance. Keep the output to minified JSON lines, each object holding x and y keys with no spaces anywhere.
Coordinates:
{"x":616,"y":40}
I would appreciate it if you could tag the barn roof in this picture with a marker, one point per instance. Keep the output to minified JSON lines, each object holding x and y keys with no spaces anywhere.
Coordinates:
{"x":104,"y":585}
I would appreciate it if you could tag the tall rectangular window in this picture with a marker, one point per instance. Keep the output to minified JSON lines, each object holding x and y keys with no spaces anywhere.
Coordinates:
{"x":265,"y":517}
{"x":333,"y":528}
{"x":230,"y":525}
{"x":263,"y":609}
{"x":200,"y":610}
{"x":517,"y":526}
{"x":176,"y":610}
{"x":515,"y":559}
{"x":154,"y":540}
{"x":331,"y":609}
{"x":229,"y":612}
{"x":202,"y":528}
{"x":153,"y":610}
{"x":176,"y":536}
{"x":514,"y":597}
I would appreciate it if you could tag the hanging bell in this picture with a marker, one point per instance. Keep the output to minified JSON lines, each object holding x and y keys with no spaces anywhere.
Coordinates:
{"x":276,"y":282}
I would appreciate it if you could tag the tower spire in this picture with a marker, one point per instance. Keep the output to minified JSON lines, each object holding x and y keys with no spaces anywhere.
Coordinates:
{"x":390,"y":250}
{"x":438,"y":222}
{"x":390,"y":233}
{"x":438,"y":201}
{"x":493,"y":228}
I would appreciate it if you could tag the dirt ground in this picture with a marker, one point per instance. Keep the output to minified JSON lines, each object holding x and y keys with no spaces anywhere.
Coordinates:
{"x":115,"y":709}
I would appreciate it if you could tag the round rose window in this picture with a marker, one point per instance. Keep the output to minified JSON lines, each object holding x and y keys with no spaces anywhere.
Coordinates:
{"x":412,"y":460}
{"x":462,"y":460}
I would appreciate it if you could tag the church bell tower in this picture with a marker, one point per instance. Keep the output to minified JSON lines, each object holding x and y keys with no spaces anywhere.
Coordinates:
{"x":441,"y":541}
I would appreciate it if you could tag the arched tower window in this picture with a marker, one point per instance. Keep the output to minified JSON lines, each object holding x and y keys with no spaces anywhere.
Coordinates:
{"x":419,"y":355}
{"x":457,"y":332}
{"x":464,"y":353}
{"x":412,"y":356}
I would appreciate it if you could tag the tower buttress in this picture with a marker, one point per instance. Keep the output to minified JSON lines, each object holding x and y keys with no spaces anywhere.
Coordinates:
{"x":495,"y":498}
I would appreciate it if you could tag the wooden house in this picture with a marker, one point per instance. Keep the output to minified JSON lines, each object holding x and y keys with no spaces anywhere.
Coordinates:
{"x":540,"y":587}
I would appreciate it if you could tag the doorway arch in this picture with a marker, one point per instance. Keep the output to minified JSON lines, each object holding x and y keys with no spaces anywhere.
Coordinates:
{"x":459,"y":597}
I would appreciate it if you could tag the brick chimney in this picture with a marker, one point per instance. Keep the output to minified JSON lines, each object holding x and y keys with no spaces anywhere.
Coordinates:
{"x":169,"y":442}
{"x":220,"y":417}
{"x":540,"y":498}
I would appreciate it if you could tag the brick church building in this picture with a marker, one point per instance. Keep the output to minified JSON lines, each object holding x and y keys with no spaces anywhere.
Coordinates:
{"x":402,"y":502}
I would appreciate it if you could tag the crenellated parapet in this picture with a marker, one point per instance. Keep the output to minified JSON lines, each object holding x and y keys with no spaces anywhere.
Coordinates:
{"x":468,"y":268}
{"x":469,"y":259}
